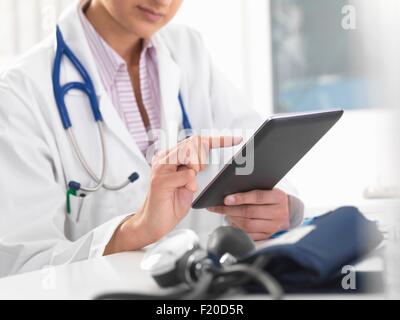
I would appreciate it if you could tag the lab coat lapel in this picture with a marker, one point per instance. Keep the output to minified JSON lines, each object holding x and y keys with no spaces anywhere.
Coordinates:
{"x":170,"y":79}
{"x":115,"y":125}
{"x":75,"y":37}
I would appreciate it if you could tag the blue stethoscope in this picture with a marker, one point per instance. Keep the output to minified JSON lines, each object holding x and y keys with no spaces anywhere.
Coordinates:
{"x":87,"y":87}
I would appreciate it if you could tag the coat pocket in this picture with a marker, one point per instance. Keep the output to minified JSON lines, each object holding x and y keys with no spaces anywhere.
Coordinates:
{"x":74,"y":208}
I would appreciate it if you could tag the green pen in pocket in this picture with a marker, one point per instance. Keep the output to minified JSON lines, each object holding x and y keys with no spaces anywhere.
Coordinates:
{"x":70,"y":193}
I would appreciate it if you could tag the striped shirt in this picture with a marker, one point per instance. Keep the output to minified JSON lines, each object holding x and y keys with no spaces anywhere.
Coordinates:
{"x":117,"y":82}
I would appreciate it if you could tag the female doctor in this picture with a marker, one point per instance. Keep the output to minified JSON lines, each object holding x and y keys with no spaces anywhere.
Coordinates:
{"x":140,"y":76}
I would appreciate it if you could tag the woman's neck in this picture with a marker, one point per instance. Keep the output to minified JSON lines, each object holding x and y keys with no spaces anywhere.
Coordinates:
{"x":126,"y":44}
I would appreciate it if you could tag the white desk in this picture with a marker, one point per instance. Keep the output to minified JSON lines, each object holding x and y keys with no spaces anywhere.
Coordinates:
{"x":85,"y":280}
{"x":82,"y":280}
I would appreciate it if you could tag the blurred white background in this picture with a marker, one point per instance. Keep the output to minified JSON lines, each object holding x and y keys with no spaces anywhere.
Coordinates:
{"x":288,"y":55}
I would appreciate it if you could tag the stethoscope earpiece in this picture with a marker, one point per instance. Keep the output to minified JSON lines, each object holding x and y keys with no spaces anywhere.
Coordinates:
{"x":134,"y":177}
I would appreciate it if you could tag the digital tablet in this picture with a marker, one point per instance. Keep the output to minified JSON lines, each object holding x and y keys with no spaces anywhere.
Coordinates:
{"x":277,"y":146}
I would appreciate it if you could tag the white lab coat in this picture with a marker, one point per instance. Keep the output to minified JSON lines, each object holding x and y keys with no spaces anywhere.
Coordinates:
{"x":37,"y":160}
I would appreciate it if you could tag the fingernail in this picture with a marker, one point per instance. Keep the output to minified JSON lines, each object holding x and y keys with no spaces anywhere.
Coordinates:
{"x":230,"y":200}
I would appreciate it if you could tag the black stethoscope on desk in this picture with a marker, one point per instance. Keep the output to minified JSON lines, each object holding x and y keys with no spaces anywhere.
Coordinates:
{"x":87,"y":87}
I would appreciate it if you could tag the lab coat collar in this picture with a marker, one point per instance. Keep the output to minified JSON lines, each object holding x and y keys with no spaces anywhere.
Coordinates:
{"x":104,"y":54}
{"x":170,"y":84}
{"x":74,"y":36}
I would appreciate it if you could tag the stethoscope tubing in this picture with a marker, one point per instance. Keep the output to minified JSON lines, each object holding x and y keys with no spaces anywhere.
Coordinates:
{"x":88,"y":88}
{"x":100,"y":181}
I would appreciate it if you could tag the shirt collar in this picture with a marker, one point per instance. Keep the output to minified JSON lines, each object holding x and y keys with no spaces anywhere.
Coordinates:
{"x":109,"y":62}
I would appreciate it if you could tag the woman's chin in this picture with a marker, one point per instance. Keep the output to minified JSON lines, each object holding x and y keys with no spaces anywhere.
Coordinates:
{"x":144,"y":30}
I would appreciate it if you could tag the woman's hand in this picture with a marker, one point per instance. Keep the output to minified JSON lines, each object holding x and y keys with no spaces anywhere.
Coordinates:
{"x":172,"y":187}
{"x":259,"y":213}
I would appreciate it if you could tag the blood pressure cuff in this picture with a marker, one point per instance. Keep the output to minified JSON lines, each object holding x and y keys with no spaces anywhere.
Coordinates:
{"x":329,"y":243}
